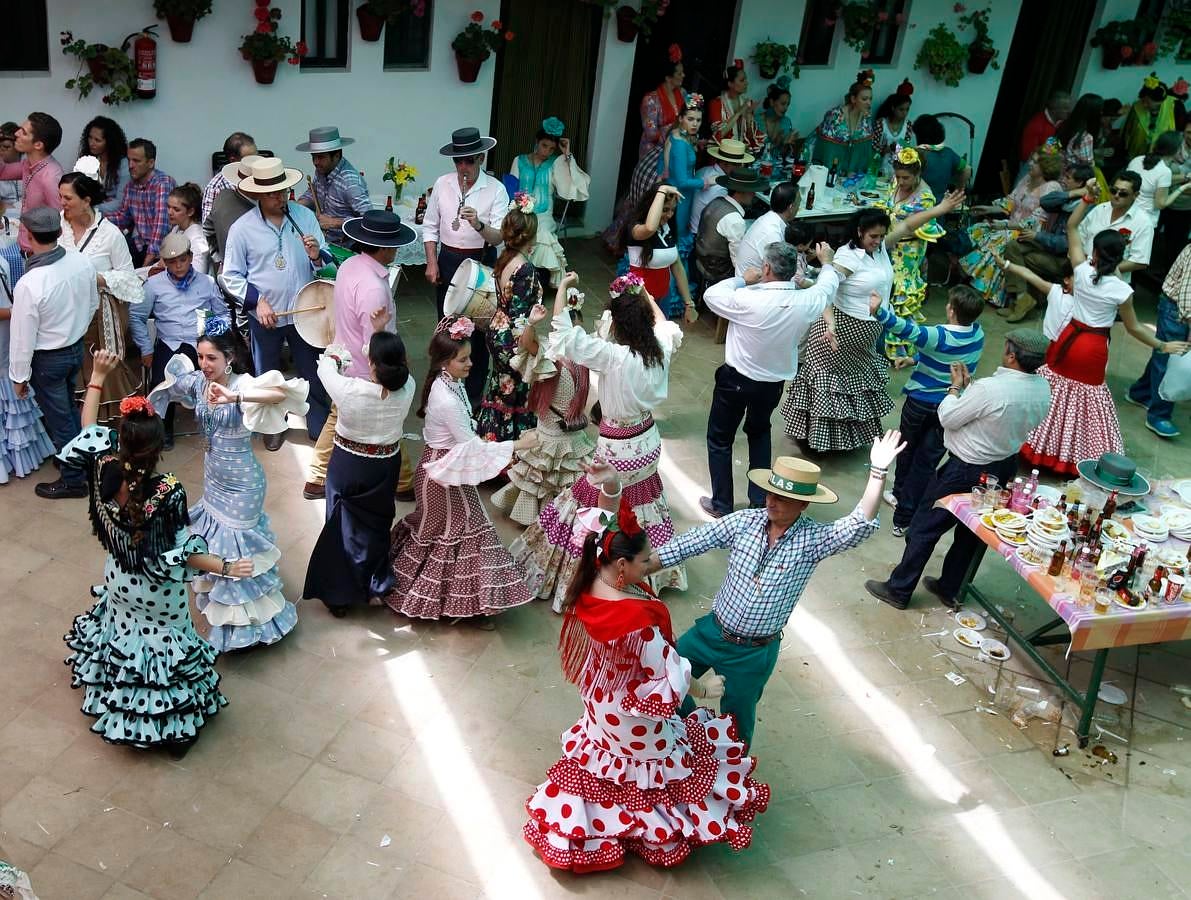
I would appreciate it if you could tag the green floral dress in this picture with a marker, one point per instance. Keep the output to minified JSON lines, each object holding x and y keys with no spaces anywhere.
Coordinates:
{"x":908,"y":257}
{"x":504,"y":412}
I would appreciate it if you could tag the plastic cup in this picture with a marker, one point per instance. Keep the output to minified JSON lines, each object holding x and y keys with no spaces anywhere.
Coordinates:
{"x":766,"y":169}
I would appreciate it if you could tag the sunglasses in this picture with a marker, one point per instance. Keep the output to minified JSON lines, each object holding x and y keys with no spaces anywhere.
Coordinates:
{"x":466,"y":160}
{"x":1121,"y":193}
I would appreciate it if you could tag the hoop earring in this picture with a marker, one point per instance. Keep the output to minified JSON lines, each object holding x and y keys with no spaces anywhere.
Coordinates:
{"x":227,"y":370}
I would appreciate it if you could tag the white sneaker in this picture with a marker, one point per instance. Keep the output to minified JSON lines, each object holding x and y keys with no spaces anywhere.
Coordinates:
{"x":889,"y":498}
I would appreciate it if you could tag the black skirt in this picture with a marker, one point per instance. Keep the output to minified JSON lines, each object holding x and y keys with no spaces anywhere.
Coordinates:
{"x":350,"y":561}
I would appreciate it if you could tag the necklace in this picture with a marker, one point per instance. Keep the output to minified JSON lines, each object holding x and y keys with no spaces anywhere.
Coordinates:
{"x":630,"y":589}
{"x":279,"y":259}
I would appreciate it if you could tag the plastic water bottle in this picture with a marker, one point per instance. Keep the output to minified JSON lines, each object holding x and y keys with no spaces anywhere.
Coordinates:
{"x":1015,"y":494}
{"x":1033,"y":482}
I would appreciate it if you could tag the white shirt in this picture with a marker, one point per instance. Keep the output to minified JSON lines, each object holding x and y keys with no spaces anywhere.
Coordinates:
{"x":661,"y":258}
{"x":199,"y":248}
{"x":1137,"y":220}
{"x":106,"y":246}
{"x":364,"y":415}
{"x":707,"y":194}
{"x":869,"y":273}
{"x":732,"y":228}
{"x":766,"y":230}
{"x":995,"y":415}
{"x":487,"y":197}
{"x":52,"y":307}
{"x":628,"y":389}
{"x":1151,"y":179}
{"x":767,"y":322}
{"x":1096,"y":304}
{"x":449,"y":426}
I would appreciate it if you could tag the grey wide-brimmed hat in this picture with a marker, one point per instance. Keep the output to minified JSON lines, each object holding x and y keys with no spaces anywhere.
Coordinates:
{"x":467,"y":142}
{"x":1114,"y":472}
{"x":743,"y":179}
{"x":379,"y":228}
{"x":324,"y":139}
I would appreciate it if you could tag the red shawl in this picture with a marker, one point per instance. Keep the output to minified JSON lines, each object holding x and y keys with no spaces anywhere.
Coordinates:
{"x":597,"y":628}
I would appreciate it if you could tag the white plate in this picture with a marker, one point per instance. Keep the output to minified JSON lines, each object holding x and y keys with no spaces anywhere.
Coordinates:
{"x":1029,"y":562}
{"x":1115,"y":530}
{"x":1123,"y":605}
{"x":1183,"y":489}
{"x":970,"y":619}
{"x":995,"y":649}
{"x":1016,"y":538}
{"x":1050,"y":493}
{"x":968,"y":637}
{"x":1110,"y":693}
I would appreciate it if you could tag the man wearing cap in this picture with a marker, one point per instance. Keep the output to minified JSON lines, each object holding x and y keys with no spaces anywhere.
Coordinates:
{"x":774,"y":551}
{"x":729,"y":155}
{"x":361,"y":288}
{"x":783,"y":207}
{"x":984,"y":424}
{"x":339,"y":189}
{"x":52,"y":306}
{"x":723,"y":227}
{"x":272,"y":253}
{"x":173,"y":297}
{"x":237,"y":146}
{"x":463,"y":219}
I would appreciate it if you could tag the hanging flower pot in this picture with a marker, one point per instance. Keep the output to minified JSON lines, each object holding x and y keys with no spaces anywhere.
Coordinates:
{"x":181,"y":28}
{"x":264,"y":70}
{"x":469,"y":69}
{"x":1110,"y":56}
{"x":768,"y":72}
{"x":371,"y":24}
{"x":98,"y":67}
{"x":626,"y":28}
{"x":978,"y":59}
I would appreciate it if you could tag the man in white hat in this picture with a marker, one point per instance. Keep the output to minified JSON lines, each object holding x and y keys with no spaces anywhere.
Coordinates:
{"x":339,"y":189}
{"x":237,"y":146}
{"x":774,"y":551}
{"x":227,"y":206}
{"x":272,"y":253}
{"x":729,"y":155}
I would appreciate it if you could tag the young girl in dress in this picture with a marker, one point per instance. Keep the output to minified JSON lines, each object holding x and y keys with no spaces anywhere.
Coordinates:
{"x":447,"y":559}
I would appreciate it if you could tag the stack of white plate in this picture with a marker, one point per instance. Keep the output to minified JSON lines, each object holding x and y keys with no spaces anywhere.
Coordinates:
{"x":1150,"y":529}
{"x":1010,"y":526}
{"x":1113,"y":533}
{"x":1047,"y":529}
{"x":1178,"y":521}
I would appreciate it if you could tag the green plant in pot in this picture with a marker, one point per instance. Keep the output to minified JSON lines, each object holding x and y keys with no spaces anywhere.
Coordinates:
{"x":773,"y":58}
{"x":106,"y":67}
{"x":180,"y":16}
{"x":373,"y":15}
{"x":860,"y":19}
{"x":942,"y":56}
{"x":1176,"y":30}
{"x":1119,"y":41}
{"x":981,"y":52}
{"x":475,"y":43}
{"x":265,"y":48}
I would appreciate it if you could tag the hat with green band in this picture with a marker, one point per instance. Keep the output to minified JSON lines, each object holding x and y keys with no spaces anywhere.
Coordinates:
{"x":793,"y":478}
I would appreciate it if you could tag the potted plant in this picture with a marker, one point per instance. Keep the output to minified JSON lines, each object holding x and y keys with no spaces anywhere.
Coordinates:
{"x":772,"y":58}
{"x":1117,"y":41}
{"x":860,"y":19}
{"x":942,"y":55}
{"x":475,"y":43}
{"x":1176,"y":30}
{"x":981,"y":51}
{"x":264,"y":48}
{"x":180,"y":16}
{"x":373,"y":15}
{"x":400,"y":173}
{"x":630,"y":22}
{"x":107,"y":67}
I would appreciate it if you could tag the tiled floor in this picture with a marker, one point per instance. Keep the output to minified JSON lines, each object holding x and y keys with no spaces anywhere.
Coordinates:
{"x":373,"y":758}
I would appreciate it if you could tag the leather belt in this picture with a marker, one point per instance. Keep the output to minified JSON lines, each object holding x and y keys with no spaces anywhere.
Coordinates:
{"x":362,"y":449}
{"x":742,"y":640}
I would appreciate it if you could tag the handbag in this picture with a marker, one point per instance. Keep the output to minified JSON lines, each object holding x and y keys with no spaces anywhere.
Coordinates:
{"x":1176,"y":384}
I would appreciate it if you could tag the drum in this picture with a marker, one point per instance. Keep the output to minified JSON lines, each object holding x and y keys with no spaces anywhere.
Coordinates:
{"x":472,"y":292}
{"x":315,"y":326}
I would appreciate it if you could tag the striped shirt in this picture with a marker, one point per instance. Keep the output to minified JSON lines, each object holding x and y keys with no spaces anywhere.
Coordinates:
{"x":938,"y":347}
{"x":1177,"y":284}
{"x":145,"y":209}
{"x":342,"y":194}
{"x":763,"y":584}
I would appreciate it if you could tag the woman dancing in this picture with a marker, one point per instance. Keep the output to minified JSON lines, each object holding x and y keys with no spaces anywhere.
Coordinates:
{"x":634,"y":774}
{"x":147,"y":677}
{"x":631,"y":352}
{"x":447,"y":559}
{"x":230,"y":516}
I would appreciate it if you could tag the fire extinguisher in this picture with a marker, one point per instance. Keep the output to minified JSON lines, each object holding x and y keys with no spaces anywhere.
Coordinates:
{"x":144,"y":56}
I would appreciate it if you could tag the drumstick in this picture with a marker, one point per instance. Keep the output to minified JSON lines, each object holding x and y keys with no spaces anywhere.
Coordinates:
{"x":313,"y":193}
{"x":304,"y":309}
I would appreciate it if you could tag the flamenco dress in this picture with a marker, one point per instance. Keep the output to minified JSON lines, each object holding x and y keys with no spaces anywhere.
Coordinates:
{"x":634,"y":775}
{"x":230,"y":516}
{"x":24,"y":443}
{"x":147,"y":676}
{"x":504,"y":412}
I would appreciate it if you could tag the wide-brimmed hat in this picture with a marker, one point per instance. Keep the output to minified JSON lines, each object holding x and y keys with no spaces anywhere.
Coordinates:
{"x":743,"y":180}
{"x":173,"y":245}
{"x":467,"y":142}
{"x":268,"y":175}
{"x":235,"y":172}
{"x":324,"y":139}
{"x":378,"y":228}
{"x":733,"y":151}
{"x":1114,"y":472}
{"x":793,"y":478}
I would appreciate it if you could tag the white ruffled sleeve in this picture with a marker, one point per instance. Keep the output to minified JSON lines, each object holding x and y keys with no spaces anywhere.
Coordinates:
{"x":669,"y":335}
{"x":567,"y":341}
{"x":269,"y":418}
{"x":469,"y":460}
{"x":570,"y":182}
{"x":181,"y":384}
{"x":667,"y":678}
{"x":124,"y":286}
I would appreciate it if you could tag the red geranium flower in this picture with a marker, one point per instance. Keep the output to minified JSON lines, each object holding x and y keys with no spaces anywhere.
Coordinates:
{"x":262,"y":2}
{"x":1126,"y":52}
{"x":496,"y":26}
{"x":302,"y":48}
{"x":477,"y":16}
{"x":509,"y":35}
{"x":293,"y":60}
{"x":264,"y":28}
{"x":1125,"y":233}
{"x":882,"y":16}
{"x":262,"y":14}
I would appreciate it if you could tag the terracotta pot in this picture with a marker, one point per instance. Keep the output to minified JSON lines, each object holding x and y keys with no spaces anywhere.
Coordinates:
{"x":181,"y":28}
{"x":626,"y":28}
{"x":469,"y":69}
{"x":264,"y":70}
{"x":768,"y":72}
{"x":1110,"y":56}
{"x":371,"y":24}
{"x":98,"y":68}
{"x":978,"y":60}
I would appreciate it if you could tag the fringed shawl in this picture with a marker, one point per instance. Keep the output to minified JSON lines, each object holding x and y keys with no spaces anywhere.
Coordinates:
{"x":605,"y":637}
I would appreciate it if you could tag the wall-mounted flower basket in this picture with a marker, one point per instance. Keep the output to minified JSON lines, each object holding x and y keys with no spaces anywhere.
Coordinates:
{"x":180,"y":16}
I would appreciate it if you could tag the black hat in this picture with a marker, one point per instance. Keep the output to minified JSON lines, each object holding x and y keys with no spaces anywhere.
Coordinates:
{"x":467,"y":142}
{"x":378,"y":228}
{"x":743,"y":180}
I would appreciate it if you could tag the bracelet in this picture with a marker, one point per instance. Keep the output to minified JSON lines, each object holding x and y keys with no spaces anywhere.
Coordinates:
{"x":227,"y":567}
{"x":604,"y":491}
{"x":94,"y":387}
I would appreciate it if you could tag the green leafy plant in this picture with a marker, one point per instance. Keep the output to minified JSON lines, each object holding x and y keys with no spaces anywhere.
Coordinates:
{"x":182,"y":9}
{"x":982,"y":43}
{"x":860,"y":19}
{"x":648,"y":15}
{"x":773,"y":58}
{"x":101,"y":66}
{"x":477,"y":42}
{"x":392,"y":10}
{"x":265,"y":44}
{"x":942,"y":56}
{"x":1128,"y":37}
{"x":1176,"y":30}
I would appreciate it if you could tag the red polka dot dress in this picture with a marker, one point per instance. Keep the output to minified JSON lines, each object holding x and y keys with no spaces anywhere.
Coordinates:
{"x":634,"y":775}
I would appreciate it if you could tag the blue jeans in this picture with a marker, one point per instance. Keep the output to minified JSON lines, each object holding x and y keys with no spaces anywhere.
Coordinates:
{"x":1171,"y":327}
{"x":738,"y":397}
{"x":53,"y":377}
{"x":916,"y":464}
{"x":266,"y":355}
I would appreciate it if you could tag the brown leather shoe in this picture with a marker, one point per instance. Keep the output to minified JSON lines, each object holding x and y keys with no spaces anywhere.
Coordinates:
{"x":1022,"y":308}
{"x":314,"y":490}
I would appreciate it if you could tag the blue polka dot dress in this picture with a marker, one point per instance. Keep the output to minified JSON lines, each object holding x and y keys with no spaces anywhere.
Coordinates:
{"x":147,"y":676}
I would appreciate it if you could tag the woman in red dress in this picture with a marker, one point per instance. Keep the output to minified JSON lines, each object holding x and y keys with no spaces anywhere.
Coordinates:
{"x":634,"y":775}
{"x":661,"y":106}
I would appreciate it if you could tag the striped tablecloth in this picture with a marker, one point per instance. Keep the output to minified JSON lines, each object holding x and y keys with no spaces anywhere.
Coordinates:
{"x":1089,"y":630}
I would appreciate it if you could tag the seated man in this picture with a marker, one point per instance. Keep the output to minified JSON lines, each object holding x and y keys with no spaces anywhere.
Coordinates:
{"x":235,"y":148}
{"x":729,"y":155}
{"x":722,"y":226}
{"x":144,"y":211}
{"x":784,"y":202}
{"x":339,"y":189}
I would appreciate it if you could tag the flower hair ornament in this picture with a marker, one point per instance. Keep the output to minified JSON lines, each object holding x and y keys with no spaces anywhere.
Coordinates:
{"x":693,"y":101}
{"x":905,"y":89}
{"x":865,"y":77}
{"x":1051,"y":147}
{"x":674,"y":54}
{"x":130,"y":405}
{"x":575,"y":298}
{"x":523,"y":202}
{"x":553,"y":126}
{"x":457,"y":328}
{"x":215,"y":326}
{"x":908,"y":156}
{"x":782,"y":82}
{"x":1151,"y":81}
{"x":89,"y":166}
{"x":626,"y":284}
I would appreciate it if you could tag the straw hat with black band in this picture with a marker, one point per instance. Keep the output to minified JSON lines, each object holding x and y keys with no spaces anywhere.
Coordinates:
{"x":269,"y":175}
{"x":235,"y":172}
{"x":794,"y":479}
{"x":731,"y":151}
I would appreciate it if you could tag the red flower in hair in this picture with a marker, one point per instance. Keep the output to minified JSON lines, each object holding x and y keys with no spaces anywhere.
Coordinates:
{"x":477,"y":16}
{"x":131,"y":405}
{"x":626,"y":519}
{"x":675,"y":53}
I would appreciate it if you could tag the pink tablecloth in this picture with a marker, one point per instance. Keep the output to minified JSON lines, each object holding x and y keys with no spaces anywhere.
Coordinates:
{"x":1119,"y":627}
